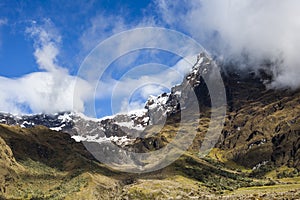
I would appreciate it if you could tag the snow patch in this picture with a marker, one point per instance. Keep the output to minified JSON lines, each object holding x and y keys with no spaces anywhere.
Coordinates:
{"x":138,"y":113}
{"x":130,"y":125}
{"x":65,"y":118}
{"x":55,"y":128}
{"x":118,"y":140}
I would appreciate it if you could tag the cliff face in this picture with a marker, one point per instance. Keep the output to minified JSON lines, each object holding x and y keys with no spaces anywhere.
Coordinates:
{"x":261,"y":133}
{"x":262,"y":125}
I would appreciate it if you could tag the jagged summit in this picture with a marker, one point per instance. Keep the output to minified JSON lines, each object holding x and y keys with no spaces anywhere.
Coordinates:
{"x":120,"y":127}
{"x":79,"y":126}
{"x":248,"y":100}
{"x":258,"y":145}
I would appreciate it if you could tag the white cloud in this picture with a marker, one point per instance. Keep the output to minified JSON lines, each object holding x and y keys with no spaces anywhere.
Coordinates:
{"x":40,"y":93}
{"x":2,"y":22}
{"x":49,"y":91}
{"x":46,"y":42}
{"x":127,"y":106}
{"x":266,"y":29}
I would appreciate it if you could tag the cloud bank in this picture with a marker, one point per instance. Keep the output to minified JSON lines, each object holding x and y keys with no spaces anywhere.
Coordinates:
{"x":248,"y":32}
{"x":261,"y":30}
{"x":52,"y":89}
{"x":48,"y":91}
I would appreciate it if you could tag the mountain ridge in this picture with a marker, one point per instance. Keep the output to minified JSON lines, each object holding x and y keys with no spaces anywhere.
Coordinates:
{"x":259,"y":144}
{"x":242,"y":88}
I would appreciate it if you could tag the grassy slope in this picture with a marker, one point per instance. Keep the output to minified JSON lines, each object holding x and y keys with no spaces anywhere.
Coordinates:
{"x":38,"y":163}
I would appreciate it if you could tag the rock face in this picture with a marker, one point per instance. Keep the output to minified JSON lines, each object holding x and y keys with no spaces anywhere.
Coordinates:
{"x":192,"y":91}
{"x":80,"y":126}
{"x":262,"y":125}
{"x":130,"y":125}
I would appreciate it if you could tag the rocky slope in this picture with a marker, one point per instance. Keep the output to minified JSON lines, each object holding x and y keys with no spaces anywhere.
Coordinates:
{"x":76,"y":124}
{"x":42,"y":164}
{"x":157,"y":108}
{"x":262,"y":125}
{"x":259,"y":145}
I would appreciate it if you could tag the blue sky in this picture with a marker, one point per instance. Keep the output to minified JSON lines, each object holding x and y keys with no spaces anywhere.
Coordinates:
{"x":72,"y":29}
{"x":70,"y":19}
{"x":44,"y":43}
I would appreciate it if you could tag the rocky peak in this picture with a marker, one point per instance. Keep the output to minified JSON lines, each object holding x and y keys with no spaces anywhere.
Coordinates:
{"x":121,"y":126}
{"x":167,"y":104}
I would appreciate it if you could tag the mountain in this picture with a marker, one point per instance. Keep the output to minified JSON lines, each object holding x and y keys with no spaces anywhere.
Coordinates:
{"x":262,"y":125}
{"x":255,"y":156}
{"x":39,"y":163}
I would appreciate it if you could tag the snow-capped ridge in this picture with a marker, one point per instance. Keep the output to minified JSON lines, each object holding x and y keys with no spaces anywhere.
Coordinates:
{"x":122,"y":126}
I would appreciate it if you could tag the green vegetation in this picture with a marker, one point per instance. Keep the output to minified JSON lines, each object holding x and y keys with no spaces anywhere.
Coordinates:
{"x":38,"y":163}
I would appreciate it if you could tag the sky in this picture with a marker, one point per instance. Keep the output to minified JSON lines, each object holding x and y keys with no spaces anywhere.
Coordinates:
{"x":44,"y":44}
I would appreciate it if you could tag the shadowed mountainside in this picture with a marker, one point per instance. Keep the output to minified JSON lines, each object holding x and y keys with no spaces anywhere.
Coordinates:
{"x":256,"y":156}
{"x":38,"y":163}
